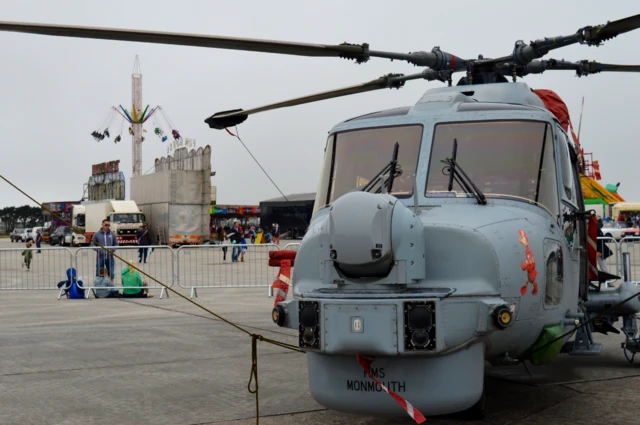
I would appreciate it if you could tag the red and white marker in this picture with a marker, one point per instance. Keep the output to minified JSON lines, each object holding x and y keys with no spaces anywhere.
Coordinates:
{"x":415,"y":414}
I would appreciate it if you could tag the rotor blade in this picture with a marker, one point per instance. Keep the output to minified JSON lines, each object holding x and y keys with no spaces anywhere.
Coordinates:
{"x":224,"y":119}
{"x":435,"y":59}
{"x":600,"y":33}
{"x":268,"y":46}
{"x":523,"y":54}
{"x":582,"y":68}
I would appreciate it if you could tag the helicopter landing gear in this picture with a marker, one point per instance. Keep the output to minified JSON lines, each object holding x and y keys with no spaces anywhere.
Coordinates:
{"x":476,"y":412}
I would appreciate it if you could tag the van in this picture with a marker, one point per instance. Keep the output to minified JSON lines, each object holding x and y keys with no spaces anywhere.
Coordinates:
{"x":31,"y":233}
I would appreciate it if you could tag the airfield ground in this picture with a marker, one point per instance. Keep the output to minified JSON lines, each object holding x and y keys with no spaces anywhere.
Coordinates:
{"x":164,"y":361}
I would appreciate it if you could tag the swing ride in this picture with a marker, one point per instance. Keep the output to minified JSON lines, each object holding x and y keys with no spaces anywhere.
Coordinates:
{"x":136,"y":118}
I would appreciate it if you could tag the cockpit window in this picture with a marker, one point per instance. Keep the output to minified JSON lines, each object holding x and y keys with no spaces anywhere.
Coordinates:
{"x":353,"y":158}
{"x":503,"y":158}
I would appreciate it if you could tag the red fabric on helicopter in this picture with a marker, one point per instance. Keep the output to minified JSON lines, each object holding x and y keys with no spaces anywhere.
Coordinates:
{"x":557,"y":107}
{"x":277,"y":258}
{"x":592,"y":252}
{"x":282,"y":255}
{"x":281,"y":284}
{"x":278,"y":263}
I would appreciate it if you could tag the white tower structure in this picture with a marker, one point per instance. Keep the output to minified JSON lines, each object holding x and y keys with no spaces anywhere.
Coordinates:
{"x":136,"y":97}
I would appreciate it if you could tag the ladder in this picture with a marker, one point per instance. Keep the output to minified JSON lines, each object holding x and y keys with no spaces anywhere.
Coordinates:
{"x":161,"y":236}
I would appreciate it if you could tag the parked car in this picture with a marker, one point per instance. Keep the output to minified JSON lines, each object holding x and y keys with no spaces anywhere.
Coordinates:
{"x":57,"y":237}
{"x":63,"y":235}
{"x":18,"y":235}
{"x":31,"y":233}
{"x":27,"y":235}
{"x":620,"y":229}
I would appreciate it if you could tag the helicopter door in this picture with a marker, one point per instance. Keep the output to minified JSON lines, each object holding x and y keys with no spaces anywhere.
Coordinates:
{"x":574,"y":229}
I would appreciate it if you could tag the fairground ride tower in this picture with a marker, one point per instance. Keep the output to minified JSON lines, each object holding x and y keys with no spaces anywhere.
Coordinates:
{"x":137,"y":136}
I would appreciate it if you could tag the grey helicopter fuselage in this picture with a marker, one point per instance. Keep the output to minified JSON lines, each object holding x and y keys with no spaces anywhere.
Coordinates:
{"x":484,"y":281}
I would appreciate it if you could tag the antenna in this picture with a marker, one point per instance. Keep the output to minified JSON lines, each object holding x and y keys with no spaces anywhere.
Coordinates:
{"x":580,"y":123}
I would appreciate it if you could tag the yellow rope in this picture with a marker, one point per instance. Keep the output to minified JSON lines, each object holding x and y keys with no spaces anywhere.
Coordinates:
{"x":254,"y":337}
{"x":254,"y":371}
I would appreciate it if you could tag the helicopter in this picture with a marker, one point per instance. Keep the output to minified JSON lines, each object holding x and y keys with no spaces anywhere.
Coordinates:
{"x":445,"y":234}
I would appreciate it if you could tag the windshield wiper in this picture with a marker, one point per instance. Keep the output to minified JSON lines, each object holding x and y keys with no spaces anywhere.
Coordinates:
{"x":456,"y":172}
{"x":394,"y":171}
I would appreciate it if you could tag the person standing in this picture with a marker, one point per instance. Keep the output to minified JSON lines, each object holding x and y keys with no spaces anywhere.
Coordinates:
{"x":38,"y":240}
{"x":222,"y":238}
{"x":235,"y":236}
{"x":276,"y":233}
{"x":106,"y":238}
{"x":144,"y":239}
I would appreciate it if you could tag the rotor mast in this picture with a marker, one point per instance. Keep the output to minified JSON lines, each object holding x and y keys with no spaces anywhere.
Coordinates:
{"x":136,"y":101}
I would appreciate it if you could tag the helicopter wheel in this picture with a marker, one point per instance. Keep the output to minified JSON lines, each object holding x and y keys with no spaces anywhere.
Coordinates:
{"x":477,"y":411}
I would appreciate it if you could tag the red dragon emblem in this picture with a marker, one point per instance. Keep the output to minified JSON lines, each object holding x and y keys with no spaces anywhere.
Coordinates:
{"x":529,"y":265}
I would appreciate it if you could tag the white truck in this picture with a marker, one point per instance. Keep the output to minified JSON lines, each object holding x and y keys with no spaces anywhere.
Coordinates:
{"x":125,"y":217}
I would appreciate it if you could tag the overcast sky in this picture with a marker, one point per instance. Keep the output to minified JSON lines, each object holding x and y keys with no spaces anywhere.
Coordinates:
{"x":54,"y":91}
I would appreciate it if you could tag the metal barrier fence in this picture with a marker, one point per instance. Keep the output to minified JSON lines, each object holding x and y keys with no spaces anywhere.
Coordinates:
{"x":292,"y":246}
{"x":212,"y":266}
{"x":632,"y":246}
{"x":193,"y":267}
{"x":43,"y":270}
{"x":614,"y":262}
{"x":160,"y":263}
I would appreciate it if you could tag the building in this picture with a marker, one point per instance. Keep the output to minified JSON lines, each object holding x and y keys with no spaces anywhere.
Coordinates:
{"x":176,"y":197}
{"x":106,"y":182}
{"x":292,"y":214}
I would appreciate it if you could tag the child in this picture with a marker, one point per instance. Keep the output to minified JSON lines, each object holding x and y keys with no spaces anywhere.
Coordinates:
{"x":104,"y":286}
{"x":28,"y":255}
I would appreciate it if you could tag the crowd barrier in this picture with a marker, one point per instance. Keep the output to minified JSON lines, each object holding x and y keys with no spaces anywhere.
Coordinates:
{"x":193,"y":266}
{"x":45,"y":268}
{"x":292,"y":246}
{"x":213,"y":266}
{"x":160,"y":263}
{"x":613,"y":262}
{"x":632,"y":246}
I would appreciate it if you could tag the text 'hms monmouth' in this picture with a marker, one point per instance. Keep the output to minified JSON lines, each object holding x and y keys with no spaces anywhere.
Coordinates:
{"x":371,"y":386}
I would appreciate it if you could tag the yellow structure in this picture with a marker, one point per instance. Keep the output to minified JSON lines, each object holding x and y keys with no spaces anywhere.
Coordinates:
{"x":594,"y":190}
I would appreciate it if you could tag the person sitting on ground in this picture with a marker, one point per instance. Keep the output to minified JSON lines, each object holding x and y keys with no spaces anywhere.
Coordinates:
{"x":133,"y":284}
{"x":104,"y":281}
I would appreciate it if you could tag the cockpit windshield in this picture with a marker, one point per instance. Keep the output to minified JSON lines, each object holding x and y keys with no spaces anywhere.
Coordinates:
{"x":353,"y":158}
{"x":503,"y":158}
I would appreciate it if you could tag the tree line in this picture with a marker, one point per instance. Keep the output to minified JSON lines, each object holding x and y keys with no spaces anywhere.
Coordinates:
{"x":24,"y":216}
